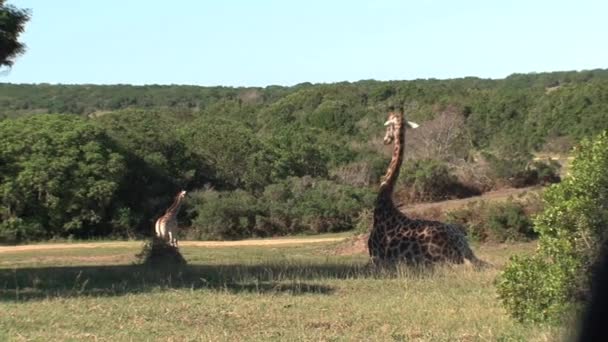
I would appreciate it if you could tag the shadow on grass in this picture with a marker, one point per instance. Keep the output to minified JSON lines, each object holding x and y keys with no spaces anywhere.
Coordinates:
{"x":36,"y":283}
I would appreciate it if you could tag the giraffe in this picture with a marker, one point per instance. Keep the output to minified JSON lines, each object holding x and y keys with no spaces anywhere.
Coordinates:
{"x":397,"y":238}
{"x":166,"y":225}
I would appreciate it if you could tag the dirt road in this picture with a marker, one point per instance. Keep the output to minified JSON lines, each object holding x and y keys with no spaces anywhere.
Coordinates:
{"x":126,"y":244}
{"x":499,"y":195}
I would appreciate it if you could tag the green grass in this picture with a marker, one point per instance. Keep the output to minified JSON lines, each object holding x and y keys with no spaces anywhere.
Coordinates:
{"x":281,"y":293}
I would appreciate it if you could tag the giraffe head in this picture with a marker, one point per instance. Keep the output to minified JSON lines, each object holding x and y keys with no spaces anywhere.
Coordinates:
{"x":394,"y":120}
{"x":181,"y":194}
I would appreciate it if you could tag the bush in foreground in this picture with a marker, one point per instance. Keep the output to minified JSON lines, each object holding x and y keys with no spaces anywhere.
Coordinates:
{"x":572,"y":230}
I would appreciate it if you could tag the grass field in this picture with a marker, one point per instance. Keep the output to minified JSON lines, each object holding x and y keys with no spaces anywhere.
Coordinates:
{"x":250,"y":293}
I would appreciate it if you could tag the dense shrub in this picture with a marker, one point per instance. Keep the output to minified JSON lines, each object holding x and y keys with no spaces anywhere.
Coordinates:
{"x":295,"y":205}
{"x":312,"y":206}
{"x":519,"y":171}
{"x":222,"y":214}
{"x":237,"y":158}
{"x":295,"y":151}
{"x":572,"y":230}
{"x":494,"y":222}
{"x":58,"y":177}
{"x":431,"y":180}
{"x":546,"y":172}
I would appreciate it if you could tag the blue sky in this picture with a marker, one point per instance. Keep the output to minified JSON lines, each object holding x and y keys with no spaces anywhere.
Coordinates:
{"x":265,"y":42}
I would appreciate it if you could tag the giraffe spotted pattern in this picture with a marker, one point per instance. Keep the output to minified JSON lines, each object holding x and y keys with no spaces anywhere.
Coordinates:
{"x":395,"y":238}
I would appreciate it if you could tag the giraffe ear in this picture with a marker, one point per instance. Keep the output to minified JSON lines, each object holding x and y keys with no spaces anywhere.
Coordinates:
{"x":412,"y":124}
{"x":388,"y":123}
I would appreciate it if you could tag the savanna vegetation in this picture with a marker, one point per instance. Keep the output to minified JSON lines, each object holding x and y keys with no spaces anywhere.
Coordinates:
{"x":84,"y":161}
{"x":87,"y":161}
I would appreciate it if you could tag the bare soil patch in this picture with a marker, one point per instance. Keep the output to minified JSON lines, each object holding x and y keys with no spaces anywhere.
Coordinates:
{"x":128,"y":244}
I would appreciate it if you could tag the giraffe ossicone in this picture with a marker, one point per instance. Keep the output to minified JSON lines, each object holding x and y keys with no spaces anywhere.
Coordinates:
{"x":396,"y":238}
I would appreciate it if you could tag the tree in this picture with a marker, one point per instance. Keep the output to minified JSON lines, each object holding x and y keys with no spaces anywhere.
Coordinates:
{"x":12,"y":24}
{"x":236,"y":157}
{"x":58,"y":177}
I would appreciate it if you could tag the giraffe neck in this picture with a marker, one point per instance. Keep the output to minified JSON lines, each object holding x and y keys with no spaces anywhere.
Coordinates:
{"x":174,"y":208}
{"x":387,"y":185}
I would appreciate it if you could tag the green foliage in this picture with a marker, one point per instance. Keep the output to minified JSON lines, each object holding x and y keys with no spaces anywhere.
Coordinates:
{"x":295,"y":205}
{"x":430,"y":180}
{"x":296,"y":151}
{"x":333,"y":116}
{"x":158,"y":164}
{"x":58,"y":174}
{"x":535,"y":290}
{"x":150,"y":140}
{"x":572,"y":230}
{"x":546,"y":172}
{"x":518,"y":170}
{"x":236,"y":156}
{"x":312,"y":206}
{"x":12,"y":24}
{"x":17,"y":230}
{"x":495,"y":222}
{"x":223,"y":215}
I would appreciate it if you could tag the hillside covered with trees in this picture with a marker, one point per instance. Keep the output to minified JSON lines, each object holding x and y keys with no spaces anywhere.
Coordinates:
{"x":88,"y":160}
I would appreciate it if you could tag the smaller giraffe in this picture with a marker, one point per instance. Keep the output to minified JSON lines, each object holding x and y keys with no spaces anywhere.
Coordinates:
{"x":166,"y":225}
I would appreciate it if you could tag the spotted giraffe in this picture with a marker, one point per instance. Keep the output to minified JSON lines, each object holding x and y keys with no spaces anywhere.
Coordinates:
{"x":397,"y":238}
{"x":166,"y":225}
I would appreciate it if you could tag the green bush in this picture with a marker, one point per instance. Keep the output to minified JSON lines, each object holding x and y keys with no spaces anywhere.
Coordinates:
{"x":546,"y":172}
{"x":535,"y":290}
{"x":431,"y":180}
{"x":572,"y":229}
{"x":17,"y":230}
{"x":494,"y":222}
{"x":237,"y":158}
{"x":519,"y":171}
{"x":222,"y":215}
{"x":295,"y":205}
{"x":509,"y":222}
{"x":312,"y":206}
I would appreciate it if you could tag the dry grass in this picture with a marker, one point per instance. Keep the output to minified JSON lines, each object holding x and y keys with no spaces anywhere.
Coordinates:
{"x":251,"y":293}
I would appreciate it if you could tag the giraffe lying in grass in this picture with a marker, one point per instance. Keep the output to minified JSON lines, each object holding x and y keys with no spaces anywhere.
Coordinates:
{"x":397,"y":238}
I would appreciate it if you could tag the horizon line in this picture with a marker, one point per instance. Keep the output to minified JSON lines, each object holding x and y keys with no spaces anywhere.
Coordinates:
{"x":306,"y":82}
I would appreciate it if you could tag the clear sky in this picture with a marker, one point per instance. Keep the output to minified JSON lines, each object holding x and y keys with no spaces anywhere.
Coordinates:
{"x":264,"y":42}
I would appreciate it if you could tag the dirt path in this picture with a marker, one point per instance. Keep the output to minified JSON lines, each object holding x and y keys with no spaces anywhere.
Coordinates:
{"x":499,"y":195}
{"x":126,"y":244}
